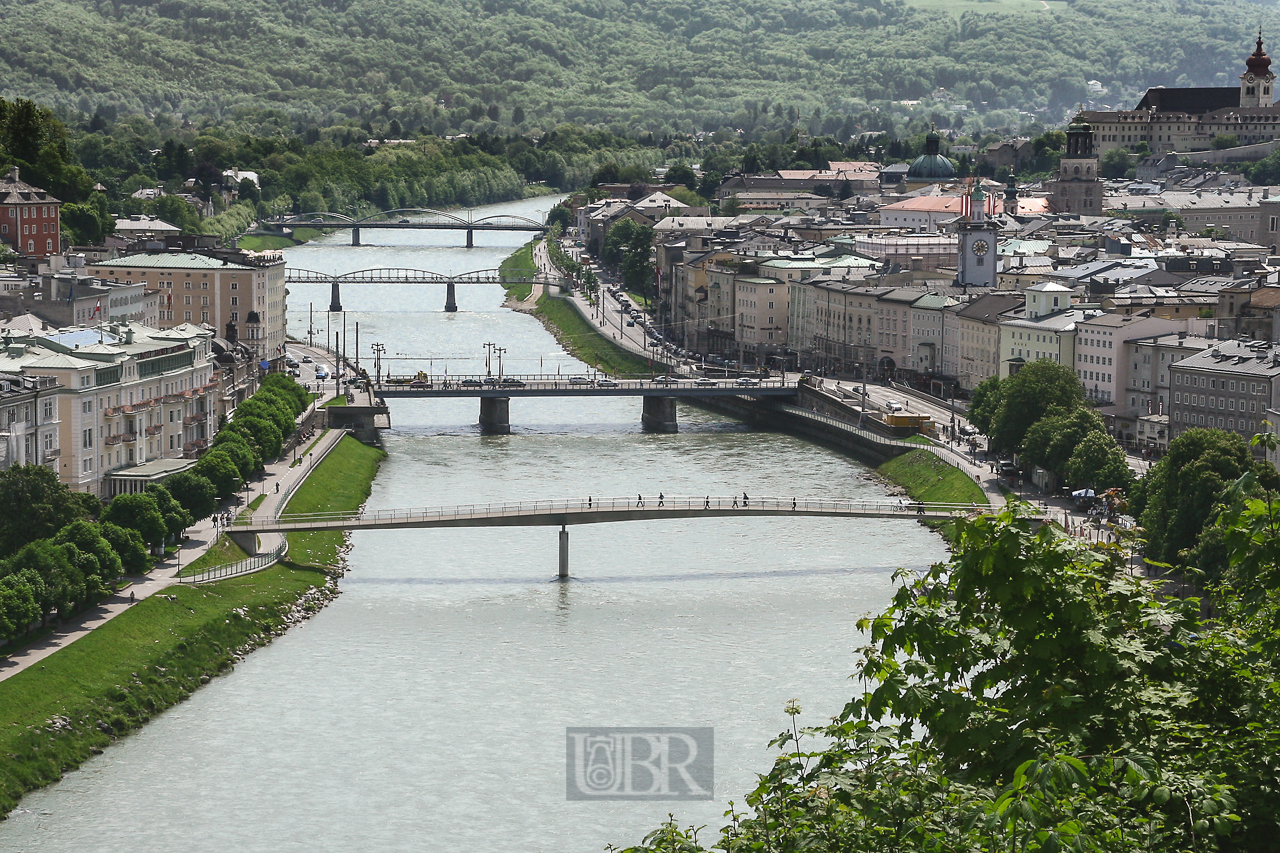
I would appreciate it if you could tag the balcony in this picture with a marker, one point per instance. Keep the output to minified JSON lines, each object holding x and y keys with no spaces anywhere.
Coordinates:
{"x":113,"y":440}
{"x":155,"y":430}
{"x":130,"y":437}
{"x":198,"y":418}
{"x":52,"y":453}
{"x":173,"y":398}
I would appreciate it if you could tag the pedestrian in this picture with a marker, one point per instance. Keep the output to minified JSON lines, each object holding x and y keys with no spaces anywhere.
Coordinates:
{"x":744,"y":500}
{"x":793,"y":504}
{"x":588,"y":501}
{"x":639,"y":500}
{"x":131,"y":598}
{"x":706,"y":503}
{"x":277,"y":487}
{"x":735,"y":501}
{"x":661,"y":499}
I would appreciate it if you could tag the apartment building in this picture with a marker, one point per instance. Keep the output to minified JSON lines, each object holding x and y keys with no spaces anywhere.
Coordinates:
{"x":972,"y":350}
{"x":28,"y":420}
{"x":30,"y":218}
{"x":1229,"y":385}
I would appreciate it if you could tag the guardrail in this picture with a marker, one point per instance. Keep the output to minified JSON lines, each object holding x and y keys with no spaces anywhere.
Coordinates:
{"x":243,"y":567}
{"x":681,"y":505}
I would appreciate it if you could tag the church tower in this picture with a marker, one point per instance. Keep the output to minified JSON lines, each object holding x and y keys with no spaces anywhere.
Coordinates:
{"x":977,"y":267}
{"x":1077,"y":189}
{"x":1257,"y":83}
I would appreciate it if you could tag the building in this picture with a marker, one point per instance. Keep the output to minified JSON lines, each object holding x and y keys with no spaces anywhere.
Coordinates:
{"x":1189,"y":119}
{"x":1047,"y":331}
{"x":30,"y":218}
{"x":931,"y":166}
{"x":1077,"y":188}
{"x":977,"y":234}
{"x":1230,"y":386}
{"x":972,"y":352}
{"x":28,"y":420}
{"x":239,"y":293}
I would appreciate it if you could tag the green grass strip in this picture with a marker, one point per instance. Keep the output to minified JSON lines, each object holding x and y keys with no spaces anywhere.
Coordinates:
{"x":520,"y":263}
{"x":222,"y":553}
{"x":340,"y":483}
{"x":58,"y":712}
{"x":927,"y":478}
{"x":581,"y":339}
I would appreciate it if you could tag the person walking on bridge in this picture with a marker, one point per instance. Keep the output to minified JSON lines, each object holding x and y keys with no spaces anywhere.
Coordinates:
{"x":639,"y":500}
{"x":661,"y":499}
{"x":745,"y":500}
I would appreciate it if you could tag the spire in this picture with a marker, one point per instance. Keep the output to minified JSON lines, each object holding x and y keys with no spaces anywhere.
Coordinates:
{"x":1258,"y":63}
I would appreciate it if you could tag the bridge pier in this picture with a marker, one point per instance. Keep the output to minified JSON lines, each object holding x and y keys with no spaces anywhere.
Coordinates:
{"x":471,"y":241}
{"x":495,"y":415}
{"x":564,"y":553}
{"x":335,"y":298}
{"x":247,"y":541}
{"x":659,"y":414}
{"x":355,"y":236}
{"x":450,"y":299}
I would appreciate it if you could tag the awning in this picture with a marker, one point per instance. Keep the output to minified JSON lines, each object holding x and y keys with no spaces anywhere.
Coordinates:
{"x":1082,"y":493}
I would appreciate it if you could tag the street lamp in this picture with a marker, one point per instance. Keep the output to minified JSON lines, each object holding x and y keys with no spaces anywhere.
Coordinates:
{"x":378,"y":350}
{"x":499,"y":351}
{"x":488,"y":352}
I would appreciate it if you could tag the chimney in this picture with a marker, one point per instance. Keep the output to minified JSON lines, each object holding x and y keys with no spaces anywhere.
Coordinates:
{"x":13,"y":173}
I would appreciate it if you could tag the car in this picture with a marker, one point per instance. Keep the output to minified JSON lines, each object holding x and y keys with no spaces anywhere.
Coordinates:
{"x":965,"y":429}
{"x":665,"y":379}
{"x":580,"y":380}
{"x":306,"y":359}
{"x":491,"y":380}
{"x":419,"y":383}
{"x":747,"y":382}
{"x":606,"y":383}
{"x":893,"y":406}
{"x":631,"y":322}
{"x":294,"y":371}
{"x":510,"y":382}
{"x":404,"y":222}
{"x":471,"y":383}
{"x":705,"y":381}
{"x":321,"y":373}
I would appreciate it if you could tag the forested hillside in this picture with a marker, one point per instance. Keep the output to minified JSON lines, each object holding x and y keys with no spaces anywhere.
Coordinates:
{"x":686,"y":65}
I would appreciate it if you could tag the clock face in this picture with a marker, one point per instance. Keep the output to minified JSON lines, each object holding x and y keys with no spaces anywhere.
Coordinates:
{"x":1249,"y":78}
{"x":980,"y":247}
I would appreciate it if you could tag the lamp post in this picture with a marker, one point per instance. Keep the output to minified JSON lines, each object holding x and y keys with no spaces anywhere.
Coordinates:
{"x":378,"y":350}
{"x":488,"y":353}
{"x":499,"y":351}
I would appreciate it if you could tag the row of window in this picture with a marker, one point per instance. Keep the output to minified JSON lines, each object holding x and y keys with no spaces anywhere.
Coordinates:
{"x":1228,"y":403}
{"x":1211,"y":382}
{"x":30,"y":212}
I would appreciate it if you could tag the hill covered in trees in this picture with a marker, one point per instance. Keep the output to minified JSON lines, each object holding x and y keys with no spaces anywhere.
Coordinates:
{"x":762,"y":66}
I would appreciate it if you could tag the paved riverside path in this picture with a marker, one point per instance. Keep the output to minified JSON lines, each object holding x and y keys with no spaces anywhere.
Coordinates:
{"x":200,"y":537}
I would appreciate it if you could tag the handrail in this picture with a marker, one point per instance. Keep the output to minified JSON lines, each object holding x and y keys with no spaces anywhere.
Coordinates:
{"x":243,"y":567}
{"x":675,"y":504}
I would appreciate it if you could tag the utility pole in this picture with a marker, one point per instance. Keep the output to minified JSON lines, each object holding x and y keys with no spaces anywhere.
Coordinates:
{"x":488,"y":353}
{"x":378,"y":350}
{"x":499,"y":351}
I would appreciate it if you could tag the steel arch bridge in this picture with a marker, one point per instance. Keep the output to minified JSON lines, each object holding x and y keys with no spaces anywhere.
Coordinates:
{"x":423,"y":219}
{"x":402,"y":275}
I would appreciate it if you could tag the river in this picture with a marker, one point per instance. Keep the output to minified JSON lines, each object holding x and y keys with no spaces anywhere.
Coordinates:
{"x":426,"y":708}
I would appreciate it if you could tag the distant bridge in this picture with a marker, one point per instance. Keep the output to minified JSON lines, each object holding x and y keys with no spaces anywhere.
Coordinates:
{"x":407,"y":218}
{"x":402,"y":275}
{"x":592,"y":510}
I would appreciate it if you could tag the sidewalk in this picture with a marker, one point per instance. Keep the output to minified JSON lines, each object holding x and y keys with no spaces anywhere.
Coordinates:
{"x":199,"y":538}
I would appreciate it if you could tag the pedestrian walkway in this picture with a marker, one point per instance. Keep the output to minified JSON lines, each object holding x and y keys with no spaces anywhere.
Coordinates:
{"x":199,"y":538}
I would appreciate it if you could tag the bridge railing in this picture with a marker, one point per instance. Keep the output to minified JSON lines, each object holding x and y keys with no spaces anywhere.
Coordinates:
{"x":568,"y":380}
{"x":243,"y":567}
{"x":680,"y":504}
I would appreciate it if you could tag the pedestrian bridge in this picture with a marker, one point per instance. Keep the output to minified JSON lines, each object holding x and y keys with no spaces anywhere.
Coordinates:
{"x":593,"y":510}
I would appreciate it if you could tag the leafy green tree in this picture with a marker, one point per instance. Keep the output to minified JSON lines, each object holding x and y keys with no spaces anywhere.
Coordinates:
{"x":195,"y":493}
{"x":1183,"y":490}
{"x":177,"y":211}
{"x":20,"y":596}
{"x":1098,"y":463}
{"x":267,"y":408}
{"x":1051,"y":441}
{"x":138,"y":512}
{"x":128,"y":544}
{"x":560,"y":215}
{"x":218,"y":468}
{"x":64,"y":586}
{"x":240,"y":449}
{"x":680,"y":173}
{"x":176,"y":518}
{"x":1114,"y":163}
{"x":984,"y":403}
{"x":87,"y":537}
{"x":1027,"y":396}
{"x":33,"y":505}
{"x":265,"y":434}
{"x":1222,"y":141}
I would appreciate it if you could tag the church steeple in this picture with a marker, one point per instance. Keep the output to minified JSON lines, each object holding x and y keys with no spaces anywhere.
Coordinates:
{"x":1257,"y":81}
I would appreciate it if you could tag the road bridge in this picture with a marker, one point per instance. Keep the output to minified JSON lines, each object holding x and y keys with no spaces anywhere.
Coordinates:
{"x":401,"y":275}
{"x":405,"y":219}
{"x":659,"y":395}
{"x":593,"y":510}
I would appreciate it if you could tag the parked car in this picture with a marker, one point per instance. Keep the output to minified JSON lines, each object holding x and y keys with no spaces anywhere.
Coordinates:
{"x":295,"y":372}
{"x":631,"y":322}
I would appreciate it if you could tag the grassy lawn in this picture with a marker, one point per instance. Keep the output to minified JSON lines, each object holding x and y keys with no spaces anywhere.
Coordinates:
{"x":55,"y":714}
{"x":520,"y":264}
{"x":223,"y":552}
{"x":918,"y":439}
{"x":339,"y":483}
{"x":927,"y":478}
{"x":584,"y":342}
{"x":260,"y":243}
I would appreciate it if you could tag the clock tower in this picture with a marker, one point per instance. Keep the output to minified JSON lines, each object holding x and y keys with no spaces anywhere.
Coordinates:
{"x":1257,"y":82}
{"x":977,"y":242}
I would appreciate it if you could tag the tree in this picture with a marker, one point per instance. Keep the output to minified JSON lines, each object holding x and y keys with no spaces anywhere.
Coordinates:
{"x":33,"y":505}
{"x":64,"y":586}
{"x":1027,"y":396}
{"x":1051,"y":441}
{"x":1098,"y":463}
{"x":560,"y":215}
{"x":238,"y":447}
{"x":20,"y":595}
{"x":1114,"y":163}
{"x":88,"y":539}
{"x":1184,"y":488}
{"x":217,"y":467}
{"x":176,"y":518}
{"x":681,"y":173}
{"x":984,"y":402}
{"x":138,"y":512}
{"x":134,"y":559}
{"x":265,"y":434}
{"x":194,"y":492}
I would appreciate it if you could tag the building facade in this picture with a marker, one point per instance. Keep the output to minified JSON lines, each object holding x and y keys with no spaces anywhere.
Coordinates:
{"x":30,"y":218}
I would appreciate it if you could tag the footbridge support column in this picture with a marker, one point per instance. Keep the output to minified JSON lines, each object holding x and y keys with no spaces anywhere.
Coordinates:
{"x":335,"y":298}
{"x":564,"y":553}
{"x":247,"y":541}
{"x":660,"y":414}
{"x":471,"y":239}
{"x":495,"y":415}
{"x":450,"y":298}
{"x":355,"y":236}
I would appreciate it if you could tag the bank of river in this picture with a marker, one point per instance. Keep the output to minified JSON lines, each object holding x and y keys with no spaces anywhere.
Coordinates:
{"x":157,"y":653}
{"x":427,"y":705}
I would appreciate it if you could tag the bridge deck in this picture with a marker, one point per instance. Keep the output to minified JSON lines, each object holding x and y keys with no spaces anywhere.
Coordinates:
{"x":603,"y":510}
{"x":564,"y":386}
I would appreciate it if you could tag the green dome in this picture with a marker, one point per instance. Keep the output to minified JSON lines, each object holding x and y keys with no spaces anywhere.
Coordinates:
{"x":931,"y":167}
